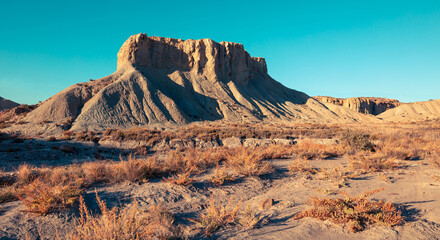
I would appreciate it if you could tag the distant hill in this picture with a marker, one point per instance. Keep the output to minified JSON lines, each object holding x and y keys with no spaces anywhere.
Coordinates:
{"x":368,"y":105}
{"x":6,"y":104}
{"x":417,"y":111}
{"x":172,"y":81}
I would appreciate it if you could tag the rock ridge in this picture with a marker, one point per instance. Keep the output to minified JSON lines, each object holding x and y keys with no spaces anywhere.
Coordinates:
{"x":367,"y":105}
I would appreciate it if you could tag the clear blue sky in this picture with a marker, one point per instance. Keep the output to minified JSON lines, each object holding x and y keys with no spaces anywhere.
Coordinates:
{"x":337,"y":48}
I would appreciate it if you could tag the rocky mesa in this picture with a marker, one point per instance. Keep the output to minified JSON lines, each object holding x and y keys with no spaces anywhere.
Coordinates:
{"x":367,"y":105}
{"x":172,"y":81}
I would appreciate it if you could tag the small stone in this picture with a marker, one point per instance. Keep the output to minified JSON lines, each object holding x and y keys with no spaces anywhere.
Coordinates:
{"x":266,"y":203}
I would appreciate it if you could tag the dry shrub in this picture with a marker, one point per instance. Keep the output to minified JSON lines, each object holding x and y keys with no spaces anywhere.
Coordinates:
{"x":97,"y":172}
{"x":7,"y":194}
{"x":166,"y":228}
{"x":221,"y":176}
{"x":183,"y":179}
{"x":301,"y":166}
{"x":26,"y":174}
{"x":217,"y":216}
{"x":135,"y":170}
{"x":358,"y":141}
{"x":198,"y":159}
{"x":248,"y":162}
{"x":132,"y":169}
{"x":41,"y":198}
{"x":375,"y":162}
{"x":403,"y":147}
{"x":311,"y":150}
{"x":275,"y":151}
{"x":357,"y":211}
{"x":249,"y":218}
{"x":337,"y":175}
{"x":116,"y":223}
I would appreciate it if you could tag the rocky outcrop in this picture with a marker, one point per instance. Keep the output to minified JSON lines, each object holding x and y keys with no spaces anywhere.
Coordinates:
{"x":6,"y":104}
{"x":215,"y":61}
{"x":367,"y":105}
{"x":172,"y":81}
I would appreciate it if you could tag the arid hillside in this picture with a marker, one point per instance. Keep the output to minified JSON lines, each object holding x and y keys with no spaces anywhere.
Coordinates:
{"x":172,"y":81}
{"x":7,"y":104}
{"x":417,"y":111}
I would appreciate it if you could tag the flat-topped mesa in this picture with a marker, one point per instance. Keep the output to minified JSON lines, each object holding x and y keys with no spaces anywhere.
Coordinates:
{"x":216,"y":61}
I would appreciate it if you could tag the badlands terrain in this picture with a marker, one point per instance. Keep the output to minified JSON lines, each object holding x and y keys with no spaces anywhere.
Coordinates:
{"x":192,"y":139}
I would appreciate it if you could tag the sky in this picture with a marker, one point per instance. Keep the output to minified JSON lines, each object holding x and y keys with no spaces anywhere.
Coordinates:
{"x":334,"y":48}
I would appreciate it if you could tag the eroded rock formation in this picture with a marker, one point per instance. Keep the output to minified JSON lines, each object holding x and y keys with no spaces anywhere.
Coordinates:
{"x":368,"y":105}
{"x":172,"y":81}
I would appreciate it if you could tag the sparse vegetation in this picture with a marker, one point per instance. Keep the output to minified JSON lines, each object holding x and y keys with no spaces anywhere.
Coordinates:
{"x":249,"y":218}
{"x":337,"y":175}
{"x":358,"y":141}
{"x":248,"y":162}
{"x":41,"y":198}
{"x":301,"y":166}
{"x":217,"y":216}
{"x":183,"y":179}
{"x":221,"y":176}
{"x":357,"y":211}
{"x":309,"y":150}
{"x":116,"y":223}
{"x":375,"y":162}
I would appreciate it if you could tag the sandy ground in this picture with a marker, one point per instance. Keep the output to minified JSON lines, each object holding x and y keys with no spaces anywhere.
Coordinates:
{"x":413,"y":190}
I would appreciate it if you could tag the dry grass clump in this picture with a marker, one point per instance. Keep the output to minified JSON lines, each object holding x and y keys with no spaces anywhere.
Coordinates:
{"x":217,"y":216}
{"x":183,"y":179}
{"x":403,"y":147}
{"x":41,"y":198}
{"x":375,"y":162}
{"x":357,"y":211}
{"x":337,"y":175}
{"x":88,"y":136}
{"x":97,"y":172}
{"x":7,"y":194}
{"x":26,"y":173}
{"x":136,"y":170}
{"x":358,"y":141}
{"x":435,"y":159}
{"x":248,"y":162}
{"x":166,"y":228}
{"x":116,"y":223}
{"x":198,"y":159}
{"x":221,"y":176}
{"x":249,"y":218}
{"x":310,"y":150}
{"x":301,"y":165}
{"x":275,"y":151}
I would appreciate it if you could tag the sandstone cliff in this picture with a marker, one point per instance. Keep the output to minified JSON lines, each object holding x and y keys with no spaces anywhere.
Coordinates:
{"x":368,"y":105}
{"x":172,"y":81}
{"x":6,"y":104}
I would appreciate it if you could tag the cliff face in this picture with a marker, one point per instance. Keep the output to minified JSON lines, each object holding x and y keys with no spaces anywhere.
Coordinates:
{"x":368,"y":105}
{"x":216,"y":61}
{"x":171,"y":81}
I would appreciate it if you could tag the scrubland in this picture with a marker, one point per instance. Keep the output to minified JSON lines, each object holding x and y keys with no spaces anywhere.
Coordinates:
{"x":173,"y":192}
